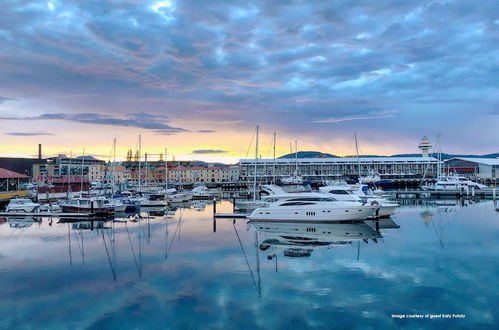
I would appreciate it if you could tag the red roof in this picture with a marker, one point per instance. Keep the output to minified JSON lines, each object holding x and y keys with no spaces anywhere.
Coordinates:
{"x":6,"y":174}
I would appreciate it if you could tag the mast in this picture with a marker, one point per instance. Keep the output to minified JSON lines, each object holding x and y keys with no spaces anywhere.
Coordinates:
{"x":140,"y":154}
{"x":357,"y":150}
{"x":273,"y":170}
{"x":296,"y":158}
{"x":166,"y":168}
{"x":146,"y":179}
{"x":114,"y":166}
{"x":70,"y":189}
{"x":256,"y":162}
{"x":81,"y":177}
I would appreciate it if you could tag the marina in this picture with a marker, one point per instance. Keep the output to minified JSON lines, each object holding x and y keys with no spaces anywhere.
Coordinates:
{"x":185,"y":164}
{"x":419,"y":257}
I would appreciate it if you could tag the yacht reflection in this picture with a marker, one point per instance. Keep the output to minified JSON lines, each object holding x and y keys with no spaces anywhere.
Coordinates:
{"x":300,"y":239}
{"x":22,"y":222}
{"x":198,"y":205}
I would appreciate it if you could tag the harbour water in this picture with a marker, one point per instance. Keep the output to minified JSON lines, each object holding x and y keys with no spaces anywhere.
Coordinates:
{"x":437,"y":258}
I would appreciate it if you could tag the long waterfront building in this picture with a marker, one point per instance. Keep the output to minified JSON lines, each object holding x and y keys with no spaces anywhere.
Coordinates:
{"x":337,"y":168}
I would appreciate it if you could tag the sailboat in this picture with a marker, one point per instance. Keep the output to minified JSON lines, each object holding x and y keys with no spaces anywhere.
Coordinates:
{"x":254,"y":203}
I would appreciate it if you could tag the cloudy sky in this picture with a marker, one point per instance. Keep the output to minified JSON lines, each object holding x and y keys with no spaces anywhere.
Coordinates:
{"x":197,"y":76}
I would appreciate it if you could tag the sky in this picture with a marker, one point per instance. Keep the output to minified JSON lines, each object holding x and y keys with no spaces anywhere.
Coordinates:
{"x":196,"y":77}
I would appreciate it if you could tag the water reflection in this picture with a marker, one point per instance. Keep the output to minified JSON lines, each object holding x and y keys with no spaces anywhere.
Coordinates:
{"x":22,"y":221}
{"x":300,"y":239}
{"x":140,"y":271}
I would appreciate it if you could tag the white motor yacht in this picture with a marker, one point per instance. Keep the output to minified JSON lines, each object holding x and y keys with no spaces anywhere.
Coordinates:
{"x":344,"y":192}
{"x":453,"y":182}
{"x":311,"y":207}
{"x":152,"y":201}
{"x":202,"y":192}
{"x":179,"y":197}
{"x":22,"y":205}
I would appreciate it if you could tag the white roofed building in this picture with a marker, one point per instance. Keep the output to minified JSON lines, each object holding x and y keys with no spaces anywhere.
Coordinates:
{"x":334,"y":168}
{"x":481,"y":168}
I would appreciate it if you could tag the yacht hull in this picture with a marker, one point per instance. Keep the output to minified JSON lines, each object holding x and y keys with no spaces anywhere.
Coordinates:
{"x":316,"y":214}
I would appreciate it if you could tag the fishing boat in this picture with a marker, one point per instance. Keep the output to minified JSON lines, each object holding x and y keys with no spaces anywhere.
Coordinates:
{"x":311,"y":207}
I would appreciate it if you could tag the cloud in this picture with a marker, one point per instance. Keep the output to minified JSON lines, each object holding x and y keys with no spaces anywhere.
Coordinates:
{"x":28,"y":133}
{"x":4,"y":99}
{"x":208,"y":151}
{"x":205,"y":131}
{"x":137,"y":120}
{"x":370,"y":115}
{"x":286,"y":65}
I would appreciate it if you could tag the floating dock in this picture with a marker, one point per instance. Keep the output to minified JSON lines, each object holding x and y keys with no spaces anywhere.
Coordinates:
{"x":230,"y":215}
{"x":437,"y":194}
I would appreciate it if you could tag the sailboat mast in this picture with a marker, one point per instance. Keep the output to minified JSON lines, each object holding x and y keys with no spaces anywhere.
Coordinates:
{"x":114,"y":166}
{"x":273,"y":170}
{"x":256,"y":162}
{"x":146,"y":179}
{"x":357,"y":151}
{"x":166,"y":168}
{"x":81,"y":177}
{"x":296,"y":158}
{"x":140,"y":156}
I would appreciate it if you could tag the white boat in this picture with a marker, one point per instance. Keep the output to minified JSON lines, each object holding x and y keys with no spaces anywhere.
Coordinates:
{"x":311,"y":207}
{"x":202,"y":192}
{"x":344,"y":192}
{"x":291,"y":180}
{"x":453,"y":182}
{"x":125,"y":205}
{"x":22,"y":205}
{"x":152,"y":201}
{"x":50,"y":208}
{"x":179,"y":197}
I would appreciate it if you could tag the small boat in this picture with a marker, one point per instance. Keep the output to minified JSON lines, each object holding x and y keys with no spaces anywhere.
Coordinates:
{"x":179,"y":197}
{"x":152,"y":201}
{"x":97,"y":206}
{"x":125,"y":205}
{"x":202,"y":192}
{"x":50,"y":208}
{"x":22,"y":205}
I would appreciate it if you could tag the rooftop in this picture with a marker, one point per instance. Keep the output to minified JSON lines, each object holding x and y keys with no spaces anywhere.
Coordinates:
{"x":6,"y":174}
{"x":485,"y":161}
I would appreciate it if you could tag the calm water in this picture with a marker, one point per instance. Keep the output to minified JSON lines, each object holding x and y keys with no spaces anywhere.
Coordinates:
{"x":178,"y":273}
